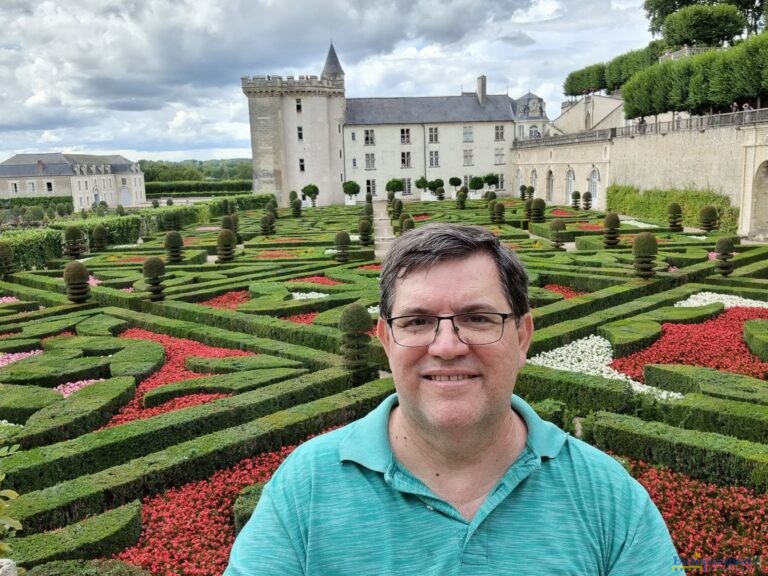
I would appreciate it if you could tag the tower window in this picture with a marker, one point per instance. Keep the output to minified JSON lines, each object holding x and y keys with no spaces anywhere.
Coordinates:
{"x":300,"y":132}
{"x":298,"y":105}
{"x":301,"y":165}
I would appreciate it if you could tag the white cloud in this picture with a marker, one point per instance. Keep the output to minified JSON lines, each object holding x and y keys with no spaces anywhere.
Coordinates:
{"x":161,"y":78}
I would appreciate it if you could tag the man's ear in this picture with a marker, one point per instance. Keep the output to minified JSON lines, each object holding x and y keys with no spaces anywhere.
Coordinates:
{"x":383,"y":334}
{"x":525,"y":336}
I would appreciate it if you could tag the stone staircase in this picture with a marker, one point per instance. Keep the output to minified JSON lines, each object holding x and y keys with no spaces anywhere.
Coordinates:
{"x":382,"y":229}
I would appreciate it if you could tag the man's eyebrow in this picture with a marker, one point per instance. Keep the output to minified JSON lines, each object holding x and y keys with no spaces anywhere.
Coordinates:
{"x":466,"y":309}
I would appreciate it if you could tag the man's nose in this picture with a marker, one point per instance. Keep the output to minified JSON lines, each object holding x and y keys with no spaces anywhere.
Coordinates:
{"x":447,"y":342}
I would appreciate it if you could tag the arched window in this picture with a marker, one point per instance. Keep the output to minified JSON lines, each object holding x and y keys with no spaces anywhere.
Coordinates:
{"x":570,"y":185}
{"x":518,"y":180}
{"x":550,"y":185}
{"x":533,"y":179}
{"x":594,"y":182}
{"x":533,"y":131}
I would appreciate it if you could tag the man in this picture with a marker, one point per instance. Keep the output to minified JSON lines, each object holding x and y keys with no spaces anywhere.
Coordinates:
{"x":453,"y":474}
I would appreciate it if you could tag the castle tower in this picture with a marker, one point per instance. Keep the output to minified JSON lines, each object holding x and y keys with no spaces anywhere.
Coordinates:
{"x":297,"y":132}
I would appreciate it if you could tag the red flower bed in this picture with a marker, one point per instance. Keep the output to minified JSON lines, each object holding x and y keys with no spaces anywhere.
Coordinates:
{"x":317,"y":280}
{"x":708,"y":522}
{"x":9,"y":335}
{"x":420,"y":217}
{"x":370,"y":267}
{"x":191,"y":240}
{"x":561,"y":212}
{"x":131,"y":259}
{"x":228,"y":301}
{"x":717,"y":343}
{"x":307,"y":318}
{"x":566,"y":292}
{"x":587,"y":226}
{"x":274,"y":254}
{"x":188,"y":530}
{"x":176,"y":351}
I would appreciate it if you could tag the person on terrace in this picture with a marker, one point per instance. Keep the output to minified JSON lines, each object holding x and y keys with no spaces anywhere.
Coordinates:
{"x":453,"y":474}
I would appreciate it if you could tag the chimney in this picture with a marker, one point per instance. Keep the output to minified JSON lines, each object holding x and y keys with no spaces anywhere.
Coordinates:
{"x":39,"y":166}
{"x":481,"y":89}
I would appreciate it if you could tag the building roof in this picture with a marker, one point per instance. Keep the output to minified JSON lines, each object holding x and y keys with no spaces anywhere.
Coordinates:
{"x":332,"y":65}
{"x":430,"y":109}
{"x":58,"y":164}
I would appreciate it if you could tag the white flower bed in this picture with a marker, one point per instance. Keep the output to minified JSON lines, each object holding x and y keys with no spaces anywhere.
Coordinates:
{"x":308,"y":295}
{"x":592,"y":355}
{"x":697,"y":237}
{"x":330,"y":251}
{"x":5,"y":423}
{"x":373,"y":309}
{"x":704,"y":298}
{"x":638,"y":224}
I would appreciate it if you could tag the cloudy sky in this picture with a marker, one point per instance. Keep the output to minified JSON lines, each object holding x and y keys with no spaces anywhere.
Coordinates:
{"x":160,"y":79}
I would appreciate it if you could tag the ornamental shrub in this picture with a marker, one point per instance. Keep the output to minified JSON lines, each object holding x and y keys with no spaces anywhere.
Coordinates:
{"x":586,"y":200}
{"x":523,"y":191}
{"x":342,"y":246}
{"x":120,"y":210}
{"x":408,"y":224}
{"x":226,"y":222}
{"x":99,"y":236}
{"x":154,"y":270}
{"x":556,"y":226}
{"x":355,"y":323}
{"x":267,"y":224}
{"x":644,"y":250}
{"x":296,"y":208}
{"x":74,"y":242}
{"x":498,"y":211}
{"x":225,"y":245}
{"x":76,"y":282}
{"x":527,"y":208}
{"x":155,"y":203}
{"x":365,"y":229}
{"x":397,"y":208}
{"x":724,"y":254}
{"x":7,"y":524}
{"x":169,"y":202}
{"x":461,"y":199}
{"x":491,"y":206}
{"x":538,"y":205}
{"x":169,"y":222}
{"x":675,"y":217}
{"x":236,"y":227}
{"x":292,"y":195}
{"x":708,"y":218}
{"x":174,"y":246}
{"x":575,"y":197}
{"x":490,"y":195}
{"x":7,"y":266}
{"x":529,"y":190}
{"x":611,"y":225}
{"x":440,"y":193}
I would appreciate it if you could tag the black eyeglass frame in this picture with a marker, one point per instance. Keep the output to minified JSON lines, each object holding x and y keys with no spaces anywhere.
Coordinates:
{"x":504,"y":317}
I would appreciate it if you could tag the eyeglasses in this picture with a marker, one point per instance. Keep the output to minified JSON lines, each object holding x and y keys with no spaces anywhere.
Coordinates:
{"x":473,"y":328}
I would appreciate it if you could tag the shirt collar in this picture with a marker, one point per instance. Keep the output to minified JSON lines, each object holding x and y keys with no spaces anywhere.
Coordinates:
{"x":367,"y":441}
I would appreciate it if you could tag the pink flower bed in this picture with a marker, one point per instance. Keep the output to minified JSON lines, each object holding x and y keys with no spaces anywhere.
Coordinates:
{"x":587,"y":226}
{"x":370,"y":267}
{"x":93,"y":281}
{"x":8,"y":299}
{"x":307,"y":318}
{"x":561,"y":212}
{"x":71,"y":387}
{"x":274,"y":254}
{"x":12,"y":357}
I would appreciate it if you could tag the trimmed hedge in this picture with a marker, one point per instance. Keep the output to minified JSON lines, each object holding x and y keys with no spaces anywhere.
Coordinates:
{"x":696,"y":379}
{"x":245,"y":504}
{"x":198,"y":187}
{"x":652,"y":204}
{"x":101,"y":535}
{"x":191,"y":460}
{"x":18,"y":403}
{"x":756,"y":337}
{"x":86,"y":568}
{"x":706,"y":455}
{"x":237,"y":363}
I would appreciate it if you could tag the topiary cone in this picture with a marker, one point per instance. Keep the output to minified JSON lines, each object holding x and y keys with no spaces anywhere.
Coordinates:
{"x":225,"y":245}
{"x":724,"y":254}
{"x":538,"y":205}
{"x":499,"y":211}
{"x":76,"y":282}
{"x":556,"y":227}
{"x":342,"y":246}
{"x":154,"y":271}
{"x":355,"y":323}
{"x":708,"y":218}
{"x":174,"y":247}
{"x":7,"y":266}
{"x":611,"y":225}
{"x":675,"y":217}
{"x":644,"y":250}
{"x":99,"y":236}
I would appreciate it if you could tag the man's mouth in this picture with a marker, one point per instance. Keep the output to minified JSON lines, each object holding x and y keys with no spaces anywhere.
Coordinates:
{"x":449,"y":378}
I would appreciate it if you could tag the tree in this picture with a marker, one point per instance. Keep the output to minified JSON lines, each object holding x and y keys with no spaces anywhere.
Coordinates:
{"x":491,"y":180}
{"x":395,"y":185}
{"x":311,"y":191}
{"x":433,"y":185}
{"x":657,"y":11}
{"x":454,"y":181}
{"x":351,"y":188}
{"x":476,"y":183}
{"x":422,"y":183}
{"x":704,"y":25}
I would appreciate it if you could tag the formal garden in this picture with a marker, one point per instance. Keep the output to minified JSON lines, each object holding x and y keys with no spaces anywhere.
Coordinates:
{"x":157,"y":366}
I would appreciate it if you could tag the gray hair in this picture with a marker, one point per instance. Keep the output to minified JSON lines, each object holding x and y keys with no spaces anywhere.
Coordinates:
{"x":422,"y":248}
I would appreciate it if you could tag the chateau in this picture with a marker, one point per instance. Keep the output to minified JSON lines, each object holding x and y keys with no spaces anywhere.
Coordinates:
{"x":83,"y":179}
{"x":304,"y":130}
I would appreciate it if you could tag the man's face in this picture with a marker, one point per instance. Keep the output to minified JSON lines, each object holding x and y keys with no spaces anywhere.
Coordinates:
{"x":449,"y":385}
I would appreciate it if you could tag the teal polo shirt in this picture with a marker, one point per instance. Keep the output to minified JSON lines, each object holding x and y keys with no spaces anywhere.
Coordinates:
{"x":341,"y":504}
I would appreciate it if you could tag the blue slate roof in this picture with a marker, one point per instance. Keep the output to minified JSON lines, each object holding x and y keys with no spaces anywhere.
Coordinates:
{"x":58,"y":164}
{"x":430,"y":109}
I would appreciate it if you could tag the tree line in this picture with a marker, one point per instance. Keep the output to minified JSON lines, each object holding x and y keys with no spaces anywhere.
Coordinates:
{"x":196,"y":170}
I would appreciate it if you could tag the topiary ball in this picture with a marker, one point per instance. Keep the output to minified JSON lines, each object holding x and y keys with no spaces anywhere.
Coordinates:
{"x":342,"y":238}
{"x":72,"y":234}
{"x":226,"y":238}
{"x":724,"y":246}
{"x":99,"y":234}
{"x":226,"y":222}
{"x":75,"y":273}
{"x":611,"y":221}
{"x":355,"y":318}
{"x":674,"y":209}
{"x":557,"y":225}
{"x":173,"y":240}
{"x":154,"y":267}
{"x":645,"y":244}
{"x":538,"y":204}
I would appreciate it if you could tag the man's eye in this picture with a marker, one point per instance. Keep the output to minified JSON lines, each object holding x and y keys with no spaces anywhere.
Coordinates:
{"x":476,"y":319}
{"x":416,"y":322}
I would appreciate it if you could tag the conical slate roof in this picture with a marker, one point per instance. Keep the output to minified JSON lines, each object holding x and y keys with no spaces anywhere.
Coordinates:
{"x":332,"y":66}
